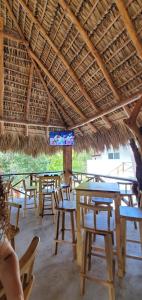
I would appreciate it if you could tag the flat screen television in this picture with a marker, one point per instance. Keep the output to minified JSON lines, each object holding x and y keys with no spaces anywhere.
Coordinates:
{"x":61,"y":138}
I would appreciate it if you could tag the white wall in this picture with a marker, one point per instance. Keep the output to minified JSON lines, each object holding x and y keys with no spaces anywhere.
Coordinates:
{"x":103,"y":165}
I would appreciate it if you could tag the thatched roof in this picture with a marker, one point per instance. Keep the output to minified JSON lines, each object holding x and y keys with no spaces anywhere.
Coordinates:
{"x":69,"y":64}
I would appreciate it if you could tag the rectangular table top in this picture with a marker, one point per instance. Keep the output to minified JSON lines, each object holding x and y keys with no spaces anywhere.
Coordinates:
{"x":98,"y":186}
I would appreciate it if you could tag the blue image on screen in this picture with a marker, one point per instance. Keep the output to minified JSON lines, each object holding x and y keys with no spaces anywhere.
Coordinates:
{"x":61,"y":138}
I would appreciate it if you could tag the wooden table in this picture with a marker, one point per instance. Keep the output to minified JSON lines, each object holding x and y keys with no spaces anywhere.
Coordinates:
{"x":42,"y":177}
{"x":102,"y":189}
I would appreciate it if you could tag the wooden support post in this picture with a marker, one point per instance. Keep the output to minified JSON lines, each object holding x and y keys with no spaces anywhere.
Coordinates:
{"x":1,"y":74}
{"x":132,"y":123}
{"x":67,"y":162}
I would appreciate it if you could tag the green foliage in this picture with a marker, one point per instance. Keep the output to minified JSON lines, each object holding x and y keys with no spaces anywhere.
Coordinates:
{"x":22,"y":163}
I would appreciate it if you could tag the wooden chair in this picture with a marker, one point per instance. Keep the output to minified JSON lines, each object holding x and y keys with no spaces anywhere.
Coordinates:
{"x":133,"y":214}
{"x":93,"y":224}
{"x":14,"y":213}
{"x":32,"y":190}
{"x":67,"y":187}
{"x":48,"y":187}
{"x":26,"y":269}
{"x":8,"y":188}
{"x":64,"y":208}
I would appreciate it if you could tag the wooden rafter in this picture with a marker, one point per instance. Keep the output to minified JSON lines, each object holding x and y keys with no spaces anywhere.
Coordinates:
{"x":93,"y":50}
{"x":35,"y":58}
{"x":29,"y":91}
{"x":51,"y":99}
{"x":1,"y":73}
{"x":59,"y":54}
{"x":129,"y":26}
{"x":121,"y":104}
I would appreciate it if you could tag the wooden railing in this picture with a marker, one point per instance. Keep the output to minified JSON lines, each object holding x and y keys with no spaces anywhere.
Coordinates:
{"x":79,"y":177}
{"x":16,"y":184}
{"x":122,"y":168}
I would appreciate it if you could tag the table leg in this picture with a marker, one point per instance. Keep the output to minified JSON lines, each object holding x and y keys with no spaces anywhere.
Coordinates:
{"x":118,"y":236}
{"x":79,"y":238}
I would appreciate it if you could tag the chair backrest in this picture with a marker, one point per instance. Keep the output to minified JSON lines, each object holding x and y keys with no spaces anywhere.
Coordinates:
{"x":14,"y":213}
{"x":87,"y":207}
{"x":26,"y":269}
{"x":27,"y":263}
{"x":58,"y":196}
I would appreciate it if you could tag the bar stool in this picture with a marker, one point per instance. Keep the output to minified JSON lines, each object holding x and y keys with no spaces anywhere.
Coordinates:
{"x":48,"y":187}
{"x":66,"y":187}
{"x":133,"y":214}
{"x":104,"y":202}
{"x":64,"y":207}
{"x":90,"y":226}
{"x":32,"y":190}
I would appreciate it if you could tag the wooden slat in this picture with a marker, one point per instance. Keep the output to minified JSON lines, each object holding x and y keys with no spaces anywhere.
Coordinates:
{"x":34,"y":58}
{"x":129,"y":26}
{"x":60,"y":89}
{"x":122,"y":103}
{"x":51,"y":99}
{"x":29,"y":123}
{"x":59,"y":54}
{"x":93,"y":50}
{"x":1,"y":73}
{"x":29,"y":91}
{"x":12,"y":37}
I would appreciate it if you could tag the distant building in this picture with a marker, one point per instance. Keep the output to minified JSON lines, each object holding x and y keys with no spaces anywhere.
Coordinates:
{"x":118,"y":162}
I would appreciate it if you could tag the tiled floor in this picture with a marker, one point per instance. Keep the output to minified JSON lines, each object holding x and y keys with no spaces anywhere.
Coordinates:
{"x":57,"y":277}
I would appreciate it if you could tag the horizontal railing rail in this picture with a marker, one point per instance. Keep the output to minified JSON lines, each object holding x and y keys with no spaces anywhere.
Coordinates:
{"x":97,"y":176}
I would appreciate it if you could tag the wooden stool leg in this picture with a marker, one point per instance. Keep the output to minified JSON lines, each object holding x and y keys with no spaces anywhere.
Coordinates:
{"x":123,"y":243}
{"x":84,"y":263}
{"x":25,"y":203}
{"x":53,"y":207}
{"x":57,"y":232}
{"x":110,"y":265}
{"x":73,"y":234}
{"x":89,"y":249}
{"x":63,"y":225}
{"x":43,"y":202}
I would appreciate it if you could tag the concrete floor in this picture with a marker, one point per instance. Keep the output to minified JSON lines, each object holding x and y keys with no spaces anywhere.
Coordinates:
{"x":57,"y":277}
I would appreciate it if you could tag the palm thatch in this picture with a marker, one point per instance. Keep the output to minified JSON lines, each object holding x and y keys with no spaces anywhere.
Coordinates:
{"x":68,"y":64}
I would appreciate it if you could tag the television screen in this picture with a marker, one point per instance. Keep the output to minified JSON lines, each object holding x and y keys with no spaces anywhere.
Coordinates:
{"x":61,"y":138}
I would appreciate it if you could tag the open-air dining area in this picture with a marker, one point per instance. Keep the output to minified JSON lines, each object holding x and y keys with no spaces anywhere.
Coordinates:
{"x":70,"y":83}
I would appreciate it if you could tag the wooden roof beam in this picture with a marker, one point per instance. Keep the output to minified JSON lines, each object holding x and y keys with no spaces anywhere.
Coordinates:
{"x":34,"y":58}
{"x":121,"y":104}
{"x":93,"y":50}
{"x":129,"y":26}
{"x":29,"y":123}
{"x":1,"y":73}
{"x":59,"y":54}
